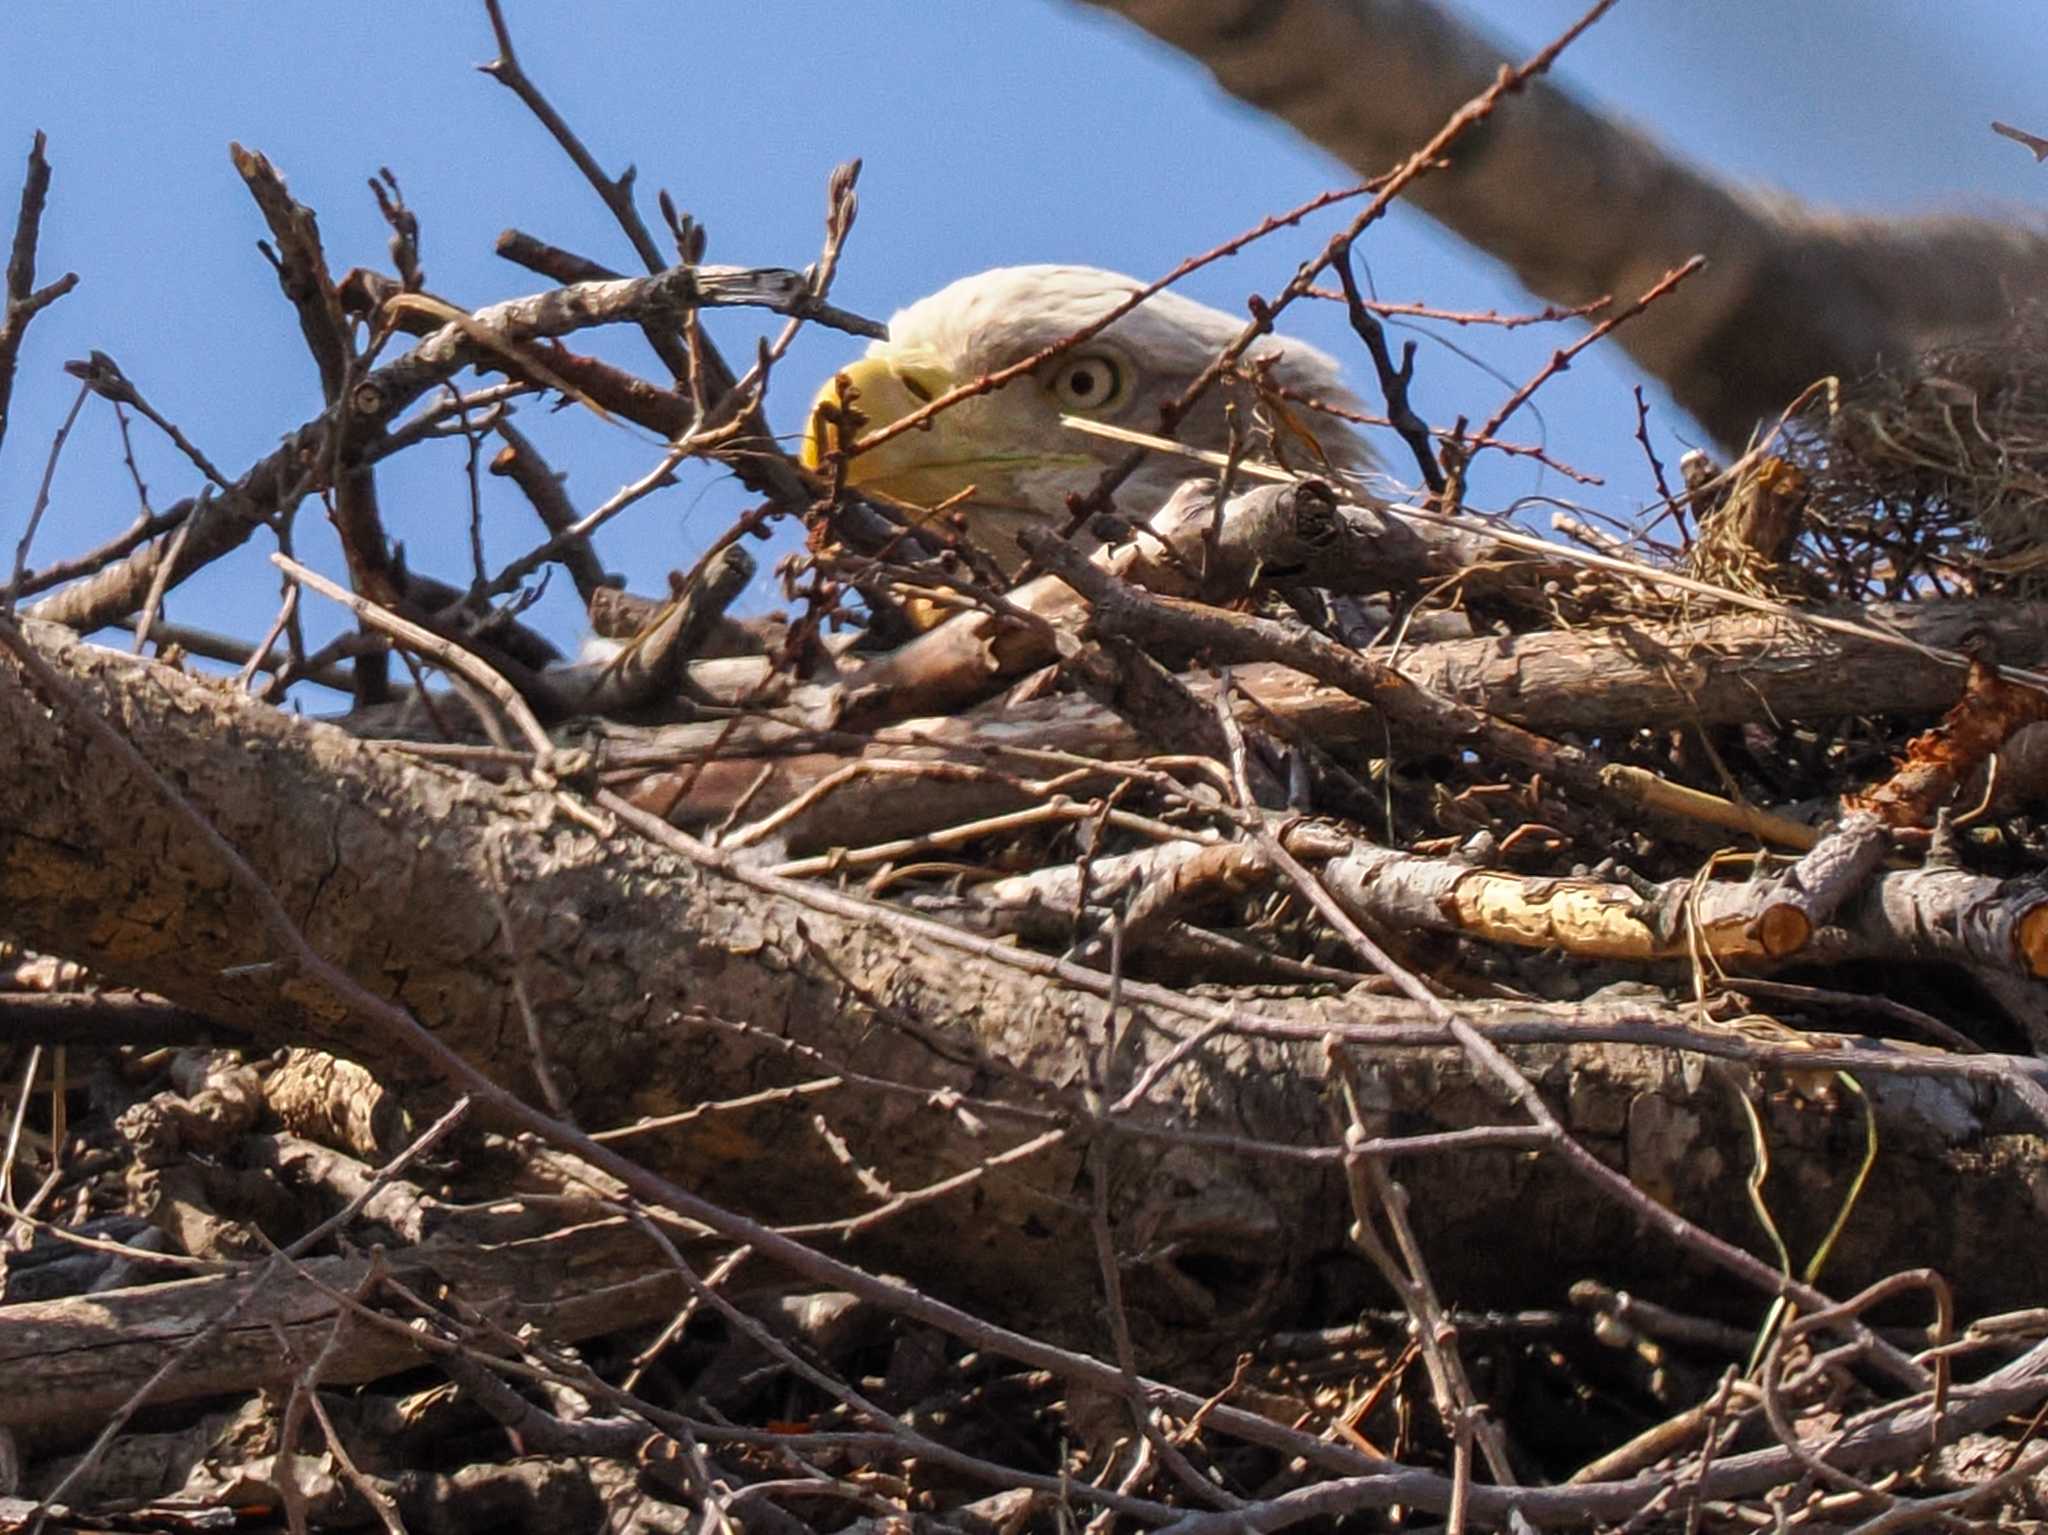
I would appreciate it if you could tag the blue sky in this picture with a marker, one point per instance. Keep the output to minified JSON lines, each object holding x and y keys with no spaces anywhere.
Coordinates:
{"x":993,"y":132}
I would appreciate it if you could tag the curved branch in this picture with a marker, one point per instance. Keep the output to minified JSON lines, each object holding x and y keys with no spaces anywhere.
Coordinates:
{"x":1579,"y":205}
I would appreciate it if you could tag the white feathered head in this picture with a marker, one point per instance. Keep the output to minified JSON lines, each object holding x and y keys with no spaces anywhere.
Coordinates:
{"x":1009,"y":450}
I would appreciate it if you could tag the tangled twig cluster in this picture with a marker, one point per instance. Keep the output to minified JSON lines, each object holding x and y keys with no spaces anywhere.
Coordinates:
{"x":1227,"y":1030}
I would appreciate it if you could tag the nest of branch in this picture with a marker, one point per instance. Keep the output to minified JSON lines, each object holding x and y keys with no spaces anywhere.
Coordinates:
{"x":1938,"y":475}
{"x":990,"y":991}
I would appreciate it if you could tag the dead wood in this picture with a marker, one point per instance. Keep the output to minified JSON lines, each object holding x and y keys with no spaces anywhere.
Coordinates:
{"x":918,"y":775}
{"x":632,"y":957}
{"x":336,"y":1102}
{"x":24,"y":300}
{"x":653,"y":666}
{"x":72,"y":1361}
{"x":1288,"y":535}
{"x":1747,"y":925}
{"x":520,"y":461}
{"x":1923,"y":915}
{"x":305,"y":461}
{"x":103,"y":1018}
{"x":302,"y":273}
{"x":1989,"y":713}
{"x":1581,"y":205}
{"x":976,"y":1212}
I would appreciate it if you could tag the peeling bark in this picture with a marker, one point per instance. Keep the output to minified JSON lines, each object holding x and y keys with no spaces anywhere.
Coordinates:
{"x":1593,"y":681}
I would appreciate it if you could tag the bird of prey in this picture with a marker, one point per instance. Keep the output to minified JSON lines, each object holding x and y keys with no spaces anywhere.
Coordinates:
{"x":998,"y":463}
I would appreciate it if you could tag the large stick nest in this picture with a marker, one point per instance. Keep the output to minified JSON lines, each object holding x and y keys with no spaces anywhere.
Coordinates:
{"x":887,"y":1073}
{"x":1934,"y":476}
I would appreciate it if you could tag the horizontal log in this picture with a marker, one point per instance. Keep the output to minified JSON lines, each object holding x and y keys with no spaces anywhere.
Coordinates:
{"x":664,"y":984}
{"x":1590,"y":683}
{"x":69,"y":1363}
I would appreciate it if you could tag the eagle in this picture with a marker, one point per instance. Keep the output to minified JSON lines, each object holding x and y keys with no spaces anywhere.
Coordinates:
{"x":995,"y":464}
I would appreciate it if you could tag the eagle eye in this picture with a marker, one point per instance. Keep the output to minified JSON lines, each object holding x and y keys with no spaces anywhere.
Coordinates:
{"x":1090,"y":382}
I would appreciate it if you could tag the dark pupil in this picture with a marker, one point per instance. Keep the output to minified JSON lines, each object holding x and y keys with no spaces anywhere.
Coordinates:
{"x":1084,"y":382}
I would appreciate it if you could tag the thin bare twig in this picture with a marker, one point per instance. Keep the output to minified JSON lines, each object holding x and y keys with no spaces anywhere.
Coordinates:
{"x":23,"y":301}
{"x":15,"y":583}
{"x":1561,"y":359}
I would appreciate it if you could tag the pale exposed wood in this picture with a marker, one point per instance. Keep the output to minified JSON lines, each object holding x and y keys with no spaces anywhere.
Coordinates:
{"x":1728,"y":920}
{"x":1641,"y":787}
{"x":1932,"y":913}
{"x":336,"y":1102}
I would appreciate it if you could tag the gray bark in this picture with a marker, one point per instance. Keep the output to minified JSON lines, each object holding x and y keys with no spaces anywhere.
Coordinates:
{"x":629,"y":953}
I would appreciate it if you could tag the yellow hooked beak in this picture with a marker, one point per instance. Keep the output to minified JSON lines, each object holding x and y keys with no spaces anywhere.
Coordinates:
{"x":975,"y":445}
{"x":982,"y":461}
{"x":924,"y":466}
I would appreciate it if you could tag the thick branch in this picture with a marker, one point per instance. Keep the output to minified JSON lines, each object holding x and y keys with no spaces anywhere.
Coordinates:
{"x":1591,"y":682}
{"x":302,"y":273}
{"x":1579,"y":205}
{"x":73,"y":1361}
{"x":661,"y":984}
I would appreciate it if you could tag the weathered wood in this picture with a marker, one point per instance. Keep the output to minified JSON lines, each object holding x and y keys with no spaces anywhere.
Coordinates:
{"x":661,"y":984}
{"x":1591,"y":682}
{"x":71,"y":1362}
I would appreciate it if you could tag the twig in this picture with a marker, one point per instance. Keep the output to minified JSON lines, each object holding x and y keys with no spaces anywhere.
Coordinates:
{"x":402,"y":1030}
{"x":1561,"y":359}
{"x":1234,"y":638}
{"x":428,"y":643}
{"x":1057,"y":809}
{"x":23,"y":300}
{"x":557,"y":547}
{"x":1394,"y":381}
{"x":260,"y":656}
{"x":306,"y":1393}
{"x":616,"y":192}
{"x":521,"y":463}
{"x":918,"y":1443}
{"x":1512,"y":1085}
{"x":1457,"y":1404}
{"x":536,"y":1042}
{"x":653,"y":667}
{"x":103,"y":376}
{"x":141,"y":531}
{"x":1650,"y":453}
{"x":1633,"y":570}
{"x":1549,"y":314}
{"x":2034,"y":143}
{"x":20,"y":1119}
{"x":42,"y":501}
{"x":1108,"y":1265}
{"x":271,"y":1271}
{"x":1874,"y":1435}
{"x":166,"y":571}
{"x":1430,"y":157}
{"x":894,"y":1202}
{"x":763,"y":467}
{"x":274,"y":484}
